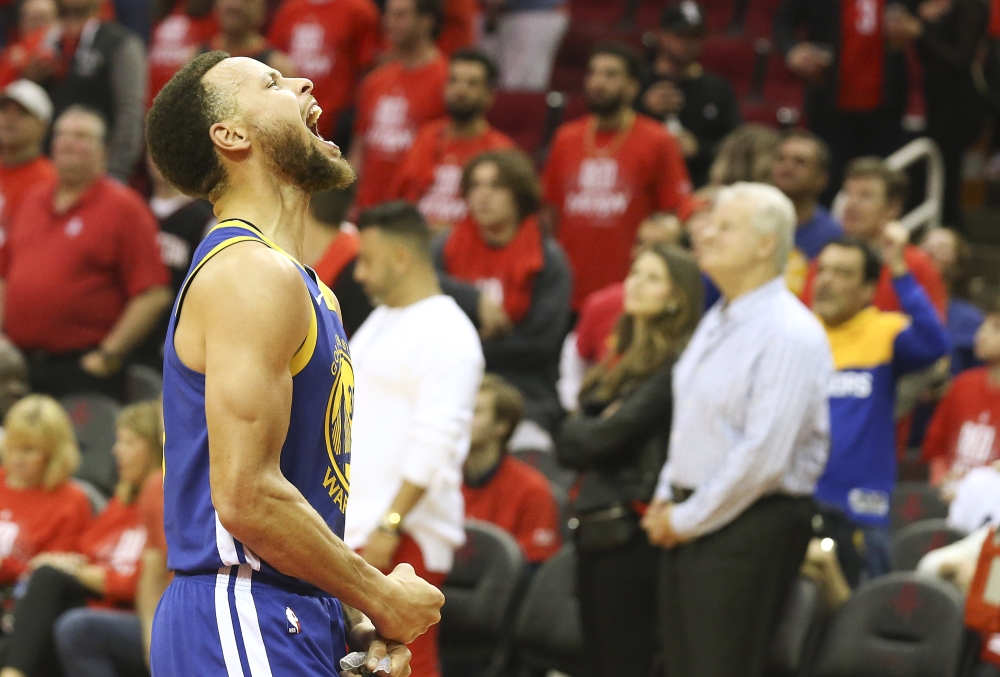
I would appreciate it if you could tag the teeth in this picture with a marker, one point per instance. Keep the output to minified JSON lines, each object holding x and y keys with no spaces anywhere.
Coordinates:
{"x":312,"y":117}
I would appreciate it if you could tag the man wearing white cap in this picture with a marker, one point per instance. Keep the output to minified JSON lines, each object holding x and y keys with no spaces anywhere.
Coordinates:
{"x":25,"y":114}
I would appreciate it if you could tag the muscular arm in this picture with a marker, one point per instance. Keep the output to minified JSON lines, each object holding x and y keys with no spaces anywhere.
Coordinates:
{"x":248,"y":344}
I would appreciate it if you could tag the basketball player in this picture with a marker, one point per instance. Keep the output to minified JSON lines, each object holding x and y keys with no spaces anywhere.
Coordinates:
{"x":258,"y":393}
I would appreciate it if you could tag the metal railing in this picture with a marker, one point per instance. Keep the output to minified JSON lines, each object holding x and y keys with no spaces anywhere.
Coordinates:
{"x":929,"y":211}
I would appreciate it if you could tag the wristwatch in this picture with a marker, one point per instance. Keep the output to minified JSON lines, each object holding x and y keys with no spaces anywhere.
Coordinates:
{"x":391,"y":523}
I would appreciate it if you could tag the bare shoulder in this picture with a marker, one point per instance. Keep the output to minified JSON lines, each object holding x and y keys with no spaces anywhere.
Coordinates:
{"x":251,"y":294}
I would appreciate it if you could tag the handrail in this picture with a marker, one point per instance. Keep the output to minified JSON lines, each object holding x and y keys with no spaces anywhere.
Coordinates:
{"x":928,"y":211}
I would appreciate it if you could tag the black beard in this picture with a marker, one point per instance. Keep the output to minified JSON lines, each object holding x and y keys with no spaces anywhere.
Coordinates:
{"x":463,"y":114}
{"x":301,"y":163}
{"x":604,"y":108}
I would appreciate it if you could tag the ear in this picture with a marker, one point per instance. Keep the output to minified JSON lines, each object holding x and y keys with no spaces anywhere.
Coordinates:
{"x":869,"y":292}
{"x":229,"y":137}
{"x":766,"y":246}
{"x":633,"y":89}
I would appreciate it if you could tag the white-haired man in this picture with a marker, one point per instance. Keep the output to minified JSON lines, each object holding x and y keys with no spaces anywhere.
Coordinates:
{"x":750,"y":437}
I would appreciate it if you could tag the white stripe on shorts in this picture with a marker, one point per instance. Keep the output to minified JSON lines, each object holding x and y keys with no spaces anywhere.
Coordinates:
{"x":246,"y":610}
{"x":224,"y":619}
{"x":225,"y":543}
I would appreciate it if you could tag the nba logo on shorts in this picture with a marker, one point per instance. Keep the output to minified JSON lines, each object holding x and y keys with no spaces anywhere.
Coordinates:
{"x":294,"y":627}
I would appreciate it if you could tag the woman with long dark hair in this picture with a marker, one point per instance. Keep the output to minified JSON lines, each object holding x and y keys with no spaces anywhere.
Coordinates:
{"x":618,"y":439}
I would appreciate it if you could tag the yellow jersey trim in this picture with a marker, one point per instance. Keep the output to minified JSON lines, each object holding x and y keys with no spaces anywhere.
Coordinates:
{"x":215,"y":250}
{"x":302,"y":356}
{"x":305,"y":352}
{"x":866,"y":340}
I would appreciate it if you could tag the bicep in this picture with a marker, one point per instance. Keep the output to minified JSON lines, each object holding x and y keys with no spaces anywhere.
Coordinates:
{"x":249,"y":341}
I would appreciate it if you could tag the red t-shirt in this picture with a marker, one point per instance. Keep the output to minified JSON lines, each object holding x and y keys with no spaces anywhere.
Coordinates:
{"x":16,"y":181}
{"x":114,"y":542}
{"x":598,"y":317}
{"x":431,"y":173}
{"x":518,"y":499}
{"x":36,"y":520}
{"x":173,"y":43}
{"x":459,"y":28}
{"x":331,"y":42}
{"x":965,"y":424}
{"x":96,"y":256}
{"x":924,"y":270}
{"x":603,"y":193}
{"x":393,"y":103}
{"x":37,"y":45}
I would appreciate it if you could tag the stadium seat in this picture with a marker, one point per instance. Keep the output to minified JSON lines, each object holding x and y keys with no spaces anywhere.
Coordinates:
{"x":548,"y":633}
{"x":142,"y":383}
{"x":759,"y":19}
{"x":481,"y":593}
{"x":732,"y":59}
{"x":94,"y":419}
{"x":97,"y":500}
{"x":799,"y":632}
{"x":522,"y":116}
{"x":898,"y":625}
{"x":912,"y":542}
{"x":915,"y":501}
{"x":545,"y":462}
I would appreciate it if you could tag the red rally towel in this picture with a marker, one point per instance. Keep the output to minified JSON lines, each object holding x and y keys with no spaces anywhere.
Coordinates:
{"x":511,"y":270}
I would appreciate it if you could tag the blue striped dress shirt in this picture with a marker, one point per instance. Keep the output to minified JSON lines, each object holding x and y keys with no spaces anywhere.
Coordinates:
{"x":751,"y":416}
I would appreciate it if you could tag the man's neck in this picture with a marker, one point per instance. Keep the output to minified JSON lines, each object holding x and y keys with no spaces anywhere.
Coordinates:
{"x":69,"y":192}
{"x":805,"y":208}
{"x":993,"y":374}
{"x":15,"y":157}
{"x":734,"y":286}
{"x":614,"y":122}
{"x":477,"y":126}
{"x":419,"y":285}
{"x":416,"y":55}
{"x":277,"y":209}
{"x":482,"y":461}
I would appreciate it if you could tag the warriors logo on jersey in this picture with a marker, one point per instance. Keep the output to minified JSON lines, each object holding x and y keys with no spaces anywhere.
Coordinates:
{"x":339,"y":411}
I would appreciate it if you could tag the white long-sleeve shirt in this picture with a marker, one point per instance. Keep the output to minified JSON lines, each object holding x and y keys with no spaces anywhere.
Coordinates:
{"x":751,"y":415}
{"x":416,"y":374}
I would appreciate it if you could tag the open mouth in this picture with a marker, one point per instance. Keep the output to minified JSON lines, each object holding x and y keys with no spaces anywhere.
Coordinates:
{"x":312,"y":121}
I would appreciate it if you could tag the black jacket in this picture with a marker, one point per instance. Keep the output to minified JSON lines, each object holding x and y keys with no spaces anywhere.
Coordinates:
{"x":528,"y":357}
{"x":621,"y":456}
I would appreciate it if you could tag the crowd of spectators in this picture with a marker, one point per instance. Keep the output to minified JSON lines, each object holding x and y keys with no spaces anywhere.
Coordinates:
{"x":666,"y":303}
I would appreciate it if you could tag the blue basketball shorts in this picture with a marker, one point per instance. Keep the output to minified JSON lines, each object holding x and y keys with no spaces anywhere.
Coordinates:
{"x":233,"y":625}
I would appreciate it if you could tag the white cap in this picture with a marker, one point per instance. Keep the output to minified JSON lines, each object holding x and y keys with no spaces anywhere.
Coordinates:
{"x":31,"y":97}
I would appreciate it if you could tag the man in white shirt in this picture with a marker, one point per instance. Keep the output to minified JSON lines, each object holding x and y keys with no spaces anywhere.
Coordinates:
{"x":750,"y":438}
{"x":417,"y":368}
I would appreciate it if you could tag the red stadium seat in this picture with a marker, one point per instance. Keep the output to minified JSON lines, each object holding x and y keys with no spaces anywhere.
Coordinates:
{"x":571,"y":60}
{"x":732,"y":59}
{"x":782,"y":85}
{"x":759,"y":21}
{"x":521,"y":116}
{"x":607,"y":12}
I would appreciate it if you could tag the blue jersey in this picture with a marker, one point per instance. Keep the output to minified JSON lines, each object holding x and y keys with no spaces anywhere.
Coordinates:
{"x":870,"y":352}
{"x":316,"y":455}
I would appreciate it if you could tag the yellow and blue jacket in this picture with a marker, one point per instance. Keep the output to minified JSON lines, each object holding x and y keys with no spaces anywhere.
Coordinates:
{"x":870,"y":352}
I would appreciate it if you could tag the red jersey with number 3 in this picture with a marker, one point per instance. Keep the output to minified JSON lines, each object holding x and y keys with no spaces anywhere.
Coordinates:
{"x":861,"y":54}
{"x":601,"y":194}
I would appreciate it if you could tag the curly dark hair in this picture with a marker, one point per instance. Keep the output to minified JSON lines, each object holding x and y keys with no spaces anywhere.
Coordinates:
{"x":177,"y":129}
